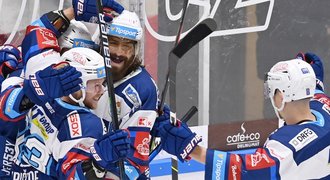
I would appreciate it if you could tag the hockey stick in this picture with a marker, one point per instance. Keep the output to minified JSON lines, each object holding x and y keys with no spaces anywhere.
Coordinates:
{"x":177,"y":38}
{"x":105,"y":52}
{"x":198,"y":33}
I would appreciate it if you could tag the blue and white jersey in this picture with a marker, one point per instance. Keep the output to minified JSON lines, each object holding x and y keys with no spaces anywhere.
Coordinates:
{"x":137,"y":103}
{"x":300,"y":151}
{"x":56,"y":143}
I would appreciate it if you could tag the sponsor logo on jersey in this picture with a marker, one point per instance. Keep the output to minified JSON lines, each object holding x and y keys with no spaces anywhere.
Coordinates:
{"x":83,"y":147}
{"x":25,"y":175}
{"x":7,"y":159}
{"x":244,"y":140}
{"x":142,"y":145}
{"x":47,"y":38}
{"x":143,"y":148}
{"x":132,"y":95}
{"x":41,"y":128}
{"x":144,"y":121}
{"x":326,"y":108}
{"x":74,"y":125}
{"x":258,"y":160}
{"x":72,"y":158}
{"x":41,"y":122}
{"x":11,"y":103}
{"x":235,"y":164}
{"x":48,"y":53}
{"x":219,"y":163}
{"x":303,"y":138}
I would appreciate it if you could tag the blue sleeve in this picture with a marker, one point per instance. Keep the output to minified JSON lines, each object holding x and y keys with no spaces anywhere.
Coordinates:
{"x":36,"y":41}
{"x":11,"y":117}
{"x":70,"y":167}
{"x":224,"y":165}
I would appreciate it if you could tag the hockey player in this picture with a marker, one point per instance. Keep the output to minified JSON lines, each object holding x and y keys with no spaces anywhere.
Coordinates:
{"x":291,"y":151}
{"x":136,"y":92}
{"x":15,"y":104}
{"x":65,"y":132}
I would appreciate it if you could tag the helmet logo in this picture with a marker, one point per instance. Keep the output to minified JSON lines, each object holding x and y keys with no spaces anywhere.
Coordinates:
{"x":83,"y":43}
{"x":122,"y":31}
{"x":78,"y":58}
{"x":304,"y":70}
{"x":280,"y":67}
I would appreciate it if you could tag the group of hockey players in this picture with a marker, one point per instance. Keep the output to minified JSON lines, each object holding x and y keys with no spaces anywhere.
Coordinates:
{"x":55,"y":115}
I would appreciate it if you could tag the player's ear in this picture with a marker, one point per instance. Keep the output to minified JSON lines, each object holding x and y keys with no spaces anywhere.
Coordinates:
{"x":278,"y":98}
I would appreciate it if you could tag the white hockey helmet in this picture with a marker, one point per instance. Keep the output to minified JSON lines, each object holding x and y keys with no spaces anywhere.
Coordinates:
{"x":127,"y":25}
{"x":89,"y":63}
{"x":294,"y":78}
{"x":77,"y":35}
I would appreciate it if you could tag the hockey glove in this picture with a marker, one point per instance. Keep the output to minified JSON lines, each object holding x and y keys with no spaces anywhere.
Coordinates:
{"x":159,"y":120}
{"x":111,"y":148}
{"x":9,"y":57}
{"x":178,"y":140}
{"x":52,"y":82}
{"x":317,"y":66}
{"x":87,"y":10}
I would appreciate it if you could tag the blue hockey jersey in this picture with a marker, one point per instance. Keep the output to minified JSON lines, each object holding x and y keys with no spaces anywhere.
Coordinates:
{"x":300,"y":151}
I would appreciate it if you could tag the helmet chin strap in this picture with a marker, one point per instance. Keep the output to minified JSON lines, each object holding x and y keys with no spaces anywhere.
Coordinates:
{"x":277,"y":110}
{"x":81,"y":100}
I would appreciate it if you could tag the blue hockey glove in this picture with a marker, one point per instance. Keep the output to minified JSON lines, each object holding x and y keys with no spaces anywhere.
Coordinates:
{"x":159,"y":120}
{"x":111,"y":148}
{"x":87,"y":10}
{"x":178,"y":140}
{"x":9,"y":57}
{"x":52,"y":82}
{"x":317,"y":66}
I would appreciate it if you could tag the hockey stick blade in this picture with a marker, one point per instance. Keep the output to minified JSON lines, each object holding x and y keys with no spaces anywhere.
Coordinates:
{"x":198,"y":33}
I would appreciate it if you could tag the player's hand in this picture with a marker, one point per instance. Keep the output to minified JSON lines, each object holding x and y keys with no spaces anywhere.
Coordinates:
{"x":178,"y":140}
{"x":111,"y":148}
{"x":317,"y":66}
{"x":87,"y":10}
{"x":52,"y":82}
{"x":159,"y":120}
{"x":9,"y":57}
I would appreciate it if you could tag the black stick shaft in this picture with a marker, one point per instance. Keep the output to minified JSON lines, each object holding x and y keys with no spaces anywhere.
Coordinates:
{"x":105,"y":52}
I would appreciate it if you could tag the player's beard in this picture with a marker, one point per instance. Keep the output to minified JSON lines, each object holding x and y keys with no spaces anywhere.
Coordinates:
{"x":120,"y":66}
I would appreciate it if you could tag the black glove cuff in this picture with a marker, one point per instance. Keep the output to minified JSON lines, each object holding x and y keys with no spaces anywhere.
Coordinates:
{"x":92,"y":170}
{"x":59,"y":20}
{"x":26,"y":104}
